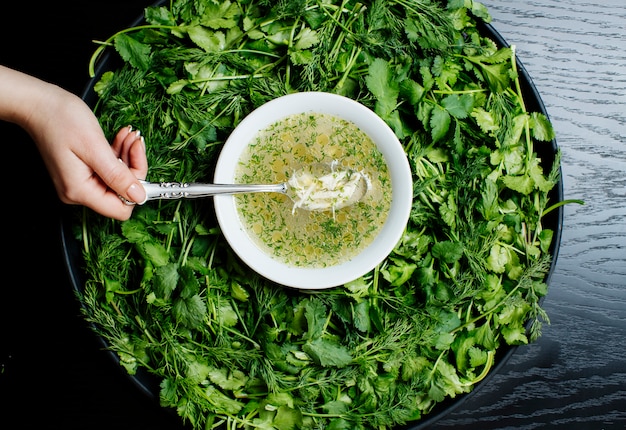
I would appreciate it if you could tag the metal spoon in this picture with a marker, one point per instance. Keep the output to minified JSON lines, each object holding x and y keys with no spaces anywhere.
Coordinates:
{"x":303,"y":188}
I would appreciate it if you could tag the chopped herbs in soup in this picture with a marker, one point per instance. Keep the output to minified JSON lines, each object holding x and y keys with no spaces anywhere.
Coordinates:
{"x":296,"y":231}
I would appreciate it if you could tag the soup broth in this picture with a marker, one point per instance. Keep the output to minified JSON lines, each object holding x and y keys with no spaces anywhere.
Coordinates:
{"x":300,"y":237}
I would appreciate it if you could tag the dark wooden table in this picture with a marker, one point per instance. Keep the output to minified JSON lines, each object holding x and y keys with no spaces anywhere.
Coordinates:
{"x":54,"y":375}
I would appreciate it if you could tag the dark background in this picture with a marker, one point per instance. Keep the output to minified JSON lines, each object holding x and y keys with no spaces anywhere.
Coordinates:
{"x":54,"y":374}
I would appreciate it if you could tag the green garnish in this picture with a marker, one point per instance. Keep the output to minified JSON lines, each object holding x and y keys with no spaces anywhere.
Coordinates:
{"x":234,"y":350}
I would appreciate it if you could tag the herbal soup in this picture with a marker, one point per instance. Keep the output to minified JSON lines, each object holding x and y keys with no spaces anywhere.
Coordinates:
{"x":312,"y":238}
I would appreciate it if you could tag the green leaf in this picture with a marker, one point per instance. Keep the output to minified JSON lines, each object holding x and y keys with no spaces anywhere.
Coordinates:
{"x":227,"y":379}
{"x":489,"y":200}
{"x":541,"y":127}
{"x":227,"y":315}
{"x":360,"y":316}
{"x":168,"y":394}
{"x":209,"y":40}
{"x":485,"y":121}
{"x":545,"y":239}
{"x":156,"y":253}
{"x":301,"y":57}
{"x":540,"y":288}
{"x":133,"y":51}
{"x":448,"y":379}
{"x":498,"y":258}
{"x":437,"y":155}
{"x":287,"y":418}
{"x":196,"y":371}
{"x":514,"y":313}
{"x":222,"y":403}
{"x":189,"y":284}
{"x":448,"y":251}
{"x":382,"y":85}
{"x":459,"y":106}
{"x":399,"y":272}
{"x":443,"y":341}
{"x":539,"y":179}
{"x":159,"y":16}
{"x":177,"y":86}
{"x":439,"y":123}
{"x":514,"y":133}
{"x":514,"y":335}
{"x":219,"y":15}
{"x":306,"y":39}
{"x":110,"y":287}
{"x":461,"y":347}
{"x":238,"y":292}
{"x":358,"y":288}
{"x":104,"y":83}
{"x":190,"y":312}
{"x":165,"y":280}
{"x":412,"y":91}
{"x":522,"y":184}
{"x":328,"y":353}
{"x":477,"y":356}
{"x":412,"y":245}
{"x":485,"y":336}
{"x":449,"y":211}
{"x":494,"y":68}
{"x":335,"y":407}
{"x":481,"y":11}
{"x":315,"y":313}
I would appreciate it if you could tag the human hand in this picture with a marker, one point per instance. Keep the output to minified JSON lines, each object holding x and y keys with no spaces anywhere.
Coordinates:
{"x":84,"y":167}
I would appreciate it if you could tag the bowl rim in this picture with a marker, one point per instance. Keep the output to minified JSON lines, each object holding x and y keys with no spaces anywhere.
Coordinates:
{"x":386,"y":141}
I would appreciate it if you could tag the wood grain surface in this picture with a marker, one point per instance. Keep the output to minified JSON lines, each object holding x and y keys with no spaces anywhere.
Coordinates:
{"x":54,"y":375}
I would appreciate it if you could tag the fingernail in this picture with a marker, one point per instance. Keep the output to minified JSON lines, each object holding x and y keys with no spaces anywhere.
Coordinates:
{"x":130,"y":128}
{"x":137,"y":134}
{"x":136,"y":193}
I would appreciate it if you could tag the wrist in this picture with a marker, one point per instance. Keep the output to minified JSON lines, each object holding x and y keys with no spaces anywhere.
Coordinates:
{"x":20,"y":96}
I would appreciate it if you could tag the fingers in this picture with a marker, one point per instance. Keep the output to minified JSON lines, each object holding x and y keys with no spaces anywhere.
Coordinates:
{"x":110,"y":205}
{"x":124,"y":140}
{"x":138,"y":163}
{"x":129,"y":148}
{"x":117,"y":169}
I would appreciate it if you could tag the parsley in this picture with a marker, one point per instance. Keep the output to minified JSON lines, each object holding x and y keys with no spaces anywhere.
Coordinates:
{"x":233,"y":350}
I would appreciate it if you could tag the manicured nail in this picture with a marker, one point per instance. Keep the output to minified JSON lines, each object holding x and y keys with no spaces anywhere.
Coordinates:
{"x":136,"y":193}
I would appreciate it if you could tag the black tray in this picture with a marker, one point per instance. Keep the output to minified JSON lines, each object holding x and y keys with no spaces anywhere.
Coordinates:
{"x":149,"y":385}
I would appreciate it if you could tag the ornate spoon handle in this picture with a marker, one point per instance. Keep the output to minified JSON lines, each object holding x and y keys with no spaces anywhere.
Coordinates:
{"x":190,"y":190}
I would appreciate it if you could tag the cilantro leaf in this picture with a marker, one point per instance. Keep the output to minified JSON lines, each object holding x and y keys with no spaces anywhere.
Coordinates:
{"x":459,"y":106}
{"x":133,"y":51}
{"x":448,"y":251}
{"x":328,"y":353}
{"x":439,"y":123}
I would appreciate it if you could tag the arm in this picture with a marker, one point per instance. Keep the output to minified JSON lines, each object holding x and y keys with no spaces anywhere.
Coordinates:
{"x":84,"y":167}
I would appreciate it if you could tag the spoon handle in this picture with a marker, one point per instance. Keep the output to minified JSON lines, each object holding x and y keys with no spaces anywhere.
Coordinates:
{"x":189,"y":190}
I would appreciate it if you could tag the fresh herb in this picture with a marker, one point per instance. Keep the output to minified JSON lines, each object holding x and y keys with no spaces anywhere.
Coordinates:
{"x":233,"y":350}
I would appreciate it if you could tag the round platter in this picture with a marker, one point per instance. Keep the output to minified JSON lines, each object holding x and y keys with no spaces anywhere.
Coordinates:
{"x":149,"y":385}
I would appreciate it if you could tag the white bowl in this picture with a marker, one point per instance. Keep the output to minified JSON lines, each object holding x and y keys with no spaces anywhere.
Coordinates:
{"x":315,"y":277}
